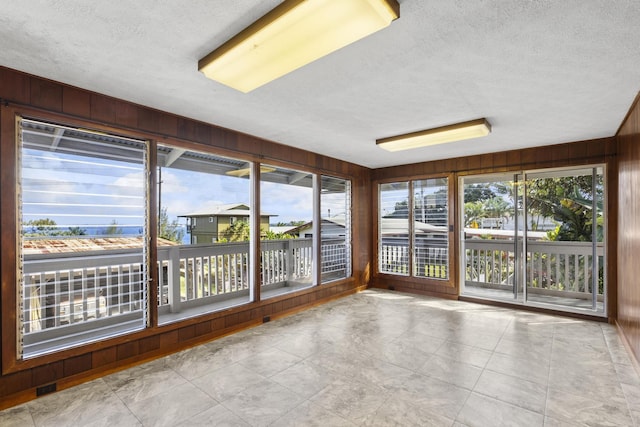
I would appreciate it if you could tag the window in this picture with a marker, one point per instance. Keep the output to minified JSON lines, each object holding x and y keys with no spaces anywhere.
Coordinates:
{"x":393,"y":228}
{"x":287,"y":263}
{"x":83,"y":213}
{"x":213,"y":275}
{"x":430,"y":228}
{"x":335,"y":228}
{"x":413,"y":228}
{"x":82,"y":219}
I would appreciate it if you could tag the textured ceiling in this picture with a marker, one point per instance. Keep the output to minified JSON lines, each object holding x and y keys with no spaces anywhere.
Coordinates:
{"x":541,"y":71}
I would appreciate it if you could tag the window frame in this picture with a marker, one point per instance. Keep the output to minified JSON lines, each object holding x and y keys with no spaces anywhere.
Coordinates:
{"x":9,"y":127}
{"x":117,"y":278}
{"x":452,"y":225}
{"x":10,"y":117}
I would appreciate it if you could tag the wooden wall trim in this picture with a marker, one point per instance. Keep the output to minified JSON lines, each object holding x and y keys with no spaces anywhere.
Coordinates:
{"x":628,"y":117}
{"x":577,"y":153}
{"x":628,"y":238}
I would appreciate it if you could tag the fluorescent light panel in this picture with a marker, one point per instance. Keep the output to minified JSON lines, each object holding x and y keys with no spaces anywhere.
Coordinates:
{"x":441,"y":135}
{"x":294,"y":34}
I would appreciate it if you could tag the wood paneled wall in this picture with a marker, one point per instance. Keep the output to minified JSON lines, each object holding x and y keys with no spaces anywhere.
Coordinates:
{"x":562,"y":155}
{"x":629,"y":225}
{"x":39,"y":98}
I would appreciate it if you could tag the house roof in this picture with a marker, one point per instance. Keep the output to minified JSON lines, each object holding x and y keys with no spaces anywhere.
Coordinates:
{"x":388,"y":225}
{"x":230,"y":209}
{"x":398,"y":226}
{"x":541,"y":72}
{"x":46,"y":245}
{"x":278,"y":229}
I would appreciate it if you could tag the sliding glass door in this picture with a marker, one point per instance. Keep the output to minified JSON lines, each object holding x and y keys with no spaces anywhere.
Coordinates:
{"x":535,"y":238}
{"x":564,"y":238}
{"x":490,"y":236}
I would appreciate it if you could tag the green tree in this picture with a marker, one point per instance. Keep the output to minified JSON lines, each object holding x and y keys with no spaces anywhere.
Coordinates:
{"x":76,"y":231}
{"x":478,"y":193}
{"x":48,"y":227}
{"x":473,"y":213}
{"x":42,"y":227}
{"x":292,"y":223}
{"x":169,"y":230}
{"x":498,"y":207}
{"x":270,"y":235}
{"x":237,"y":232}
{"x":113,"y":229}
{"x":569,"y":201}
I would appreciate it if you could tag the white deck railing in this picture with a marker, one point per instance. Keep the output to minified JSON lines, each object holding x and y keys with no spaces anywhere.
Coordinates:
{"x":78,"y":289}
{"x":430,"y":259}
{"x":553,"y":267}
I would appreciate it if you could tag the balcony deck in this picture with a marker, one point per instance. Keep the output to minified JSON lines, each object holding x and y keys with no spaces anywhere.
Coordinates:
{"x":79,"y":297}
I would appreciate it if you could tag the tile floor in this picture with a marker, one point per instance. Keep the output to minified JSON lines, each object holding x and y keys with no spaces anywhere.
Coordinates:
{"x":375,"y":359}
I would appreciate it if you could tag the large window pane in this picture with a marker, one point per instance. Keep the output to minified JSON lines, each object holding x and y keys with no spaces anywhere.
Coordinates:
{"x":430,"y":230}
{"x":393,"y":250}
{"x":335,"y":228}
{"x":83,"y":201}
{"x":203,"y":232}
{"x":287,"y":259}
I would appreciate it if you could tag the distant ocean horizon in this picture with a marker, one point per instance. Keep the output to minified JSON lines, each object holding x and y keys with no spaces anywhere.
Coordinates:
{"x":125,"y":230}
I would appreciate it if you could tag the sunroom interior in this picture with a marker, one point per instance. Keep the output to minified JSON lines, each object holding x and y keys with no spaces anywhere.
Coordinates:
{"x":146,"y":213}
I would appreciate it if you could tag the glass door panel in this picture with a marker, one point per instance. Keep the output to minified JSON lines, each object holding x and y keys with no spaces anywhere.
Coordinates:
{"x":564,"y":250}
{"x":489,"y":265}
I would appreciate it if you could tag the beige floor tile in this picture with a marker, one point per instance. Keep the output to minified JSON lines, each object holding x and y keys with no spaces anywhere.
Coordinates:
{"x":172,"y":407}
{"x":376,"y":358}
{"x":263,"y":403}
{"x":482,"y":411}
{"x":526,"y":394}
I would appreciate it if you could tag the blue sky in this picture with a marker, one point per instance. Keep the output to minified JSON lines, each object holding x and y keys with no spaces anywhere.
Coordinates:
{"x":85,"y":192}
{"x":185,"y":192}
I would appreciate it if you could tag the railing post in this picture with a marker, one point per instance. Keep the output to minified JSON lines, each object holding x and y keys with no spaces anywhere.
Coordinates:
{"x":289,"y":258}
{"x":173,"y":276}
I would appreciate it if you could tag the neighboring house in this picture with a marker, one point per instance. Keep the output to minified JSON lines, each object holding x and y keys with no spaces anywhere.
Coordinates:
{"x":331,"y":228}
{"x":209,"y":226}
{"x":283,"y":229}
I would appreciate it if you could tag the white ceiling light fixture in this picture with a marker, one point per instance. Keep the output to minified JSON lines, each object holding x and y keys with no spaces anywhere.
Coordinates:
{"x":292,"y":35}
{"x":440,"y":135}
